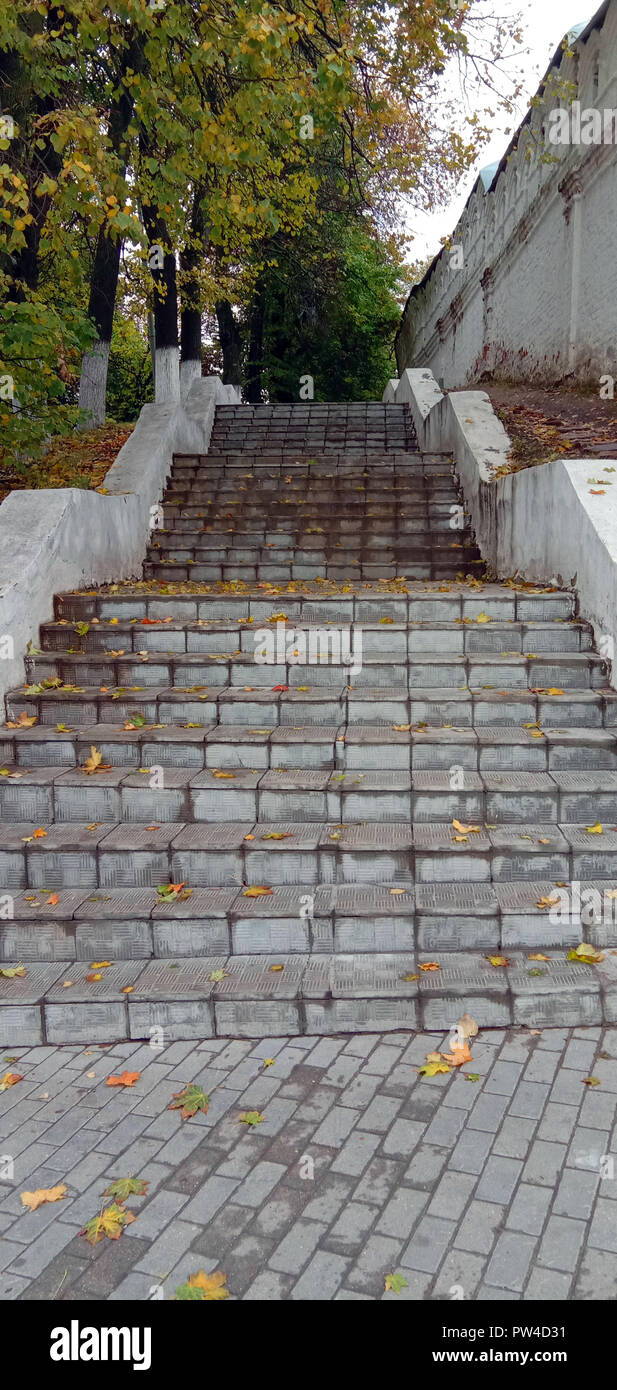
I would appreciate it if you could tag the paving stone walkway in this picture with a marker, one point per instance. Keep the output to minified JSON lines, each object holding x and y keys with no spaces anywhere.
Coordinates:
{"x":498,"y":1188}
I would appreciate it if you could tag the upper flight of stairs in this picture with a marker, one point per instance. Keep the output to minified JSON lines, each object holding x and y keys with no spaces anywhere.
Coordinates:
{"x":306,"y":532}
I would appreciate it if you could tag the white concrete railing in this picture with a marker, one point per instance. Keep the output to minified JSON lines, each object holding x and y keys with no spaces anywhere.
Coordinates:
{"x":545,"y":523}
{"x":64,"y":538}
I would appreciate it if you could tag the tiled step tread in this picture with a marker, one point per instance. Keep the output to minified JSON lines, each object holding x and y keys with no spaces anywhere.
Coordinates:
{"x":441,"y":918}
{"x":414,"y":601}
{"x":327,"y":994}
{"x":105,"y":854}
{"x":57,"y":795}
{"x":474,"y":669}
{"x":259,"y":706}
{"x":366,"y":746}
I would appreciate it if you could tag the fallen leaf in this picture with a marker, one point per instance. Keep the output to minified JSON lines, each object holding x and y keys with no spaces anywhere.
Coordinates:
{"x":467,"y":1027}
{"x":32,"y":1200}
{"x":257,"y":891}
{"x":9,"y":1079}
{"x":189,"y":1101}
{"x":13,"y":972}
{"x":591,"y":1081}
{"x":204,"y":1288}
{"x":53,"y":900}
{"x":127,"y":1078}
{"x":498,"y":960}
{"x":110,"y":1223}
{"x":596,"y":829}
{"x":122,"y":1188}
{"x":430,"y":965}
{"x":585,"y":954}
{"x":394,"y":1283}
{"x":95,"y":762}
{"x":251,"y":1118}
{"x":458,"y":1056}
{"x":169,"y":891}
{"x":433,"y":1068}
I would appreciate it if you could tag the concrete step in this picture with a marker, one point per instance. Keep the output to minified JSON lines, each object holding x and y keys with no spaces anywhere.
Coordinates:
{"x":167,"y":793}
{"x":365,"y":747}
{"x":414,"y":602}
{"x":341,"y":574}
{"x":441,"y":916}
{"x":108,"y":854}
{"x":258,"y":705}
{"x":383,"y":637}
{"x":310,"y":550}
{"x":362,"y":747}
{"x":136,"y":924}
{"x":290,"y":995}
{"x":430,"y":513}
{"x":340,"y":661}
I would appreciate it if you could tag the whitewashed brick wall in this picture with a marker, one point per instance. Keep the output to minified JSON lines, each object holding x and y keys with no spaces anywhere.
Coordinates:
{"x":536,"y":296}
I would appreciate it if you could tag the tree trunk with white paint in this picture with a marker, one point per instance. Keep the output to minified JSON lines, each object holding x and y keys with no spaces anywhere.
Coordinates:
{"x":93,"y":385}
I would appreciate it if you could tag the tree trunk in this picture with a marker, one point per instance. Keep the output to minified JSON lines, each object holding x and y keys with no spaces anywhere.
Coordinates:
{"x":27,"y":108}
{"x":230,"y":339}
{"x":190,"y":297}
{"x":106,"y":267}
{"x":253,"y":389}
{"x":165,"y":307}
{"x":94,"y":364}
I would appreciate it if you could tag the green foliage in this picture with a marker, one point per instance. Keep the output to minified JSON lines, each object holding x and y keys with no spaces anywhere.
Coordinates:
{"x":129,"y":381}
{"x":40,"y":350}
{"x":332,"y":313}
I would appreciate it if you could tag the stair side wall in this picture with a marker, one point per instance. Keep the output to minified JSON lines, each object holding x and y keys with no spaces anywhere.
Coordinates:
{"x":53,"y":539}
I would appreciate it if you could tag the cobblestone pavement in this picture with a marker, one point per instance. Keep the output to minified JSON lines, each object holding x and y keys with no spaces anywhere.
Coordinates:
{"x":498,"y":1188}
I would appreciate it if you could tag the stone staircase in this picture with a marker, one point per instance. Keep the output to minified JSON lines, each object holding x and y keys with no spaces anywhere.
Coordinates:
{"x":312,"y":693}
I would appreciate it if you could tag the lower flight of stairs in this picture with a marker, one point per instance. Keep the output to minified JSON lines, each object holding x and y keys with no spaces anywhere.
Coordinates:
{"x":313,"y":693}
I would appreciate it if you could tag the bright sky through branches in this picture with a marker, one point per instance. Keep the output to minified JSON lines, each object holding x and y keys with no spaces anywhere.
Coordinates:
{"x":544,"y":24}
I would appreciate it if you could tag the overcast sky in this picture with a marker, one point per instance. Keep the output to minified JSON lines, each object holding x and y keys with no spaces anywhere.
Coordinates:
{"x":545,"y":22}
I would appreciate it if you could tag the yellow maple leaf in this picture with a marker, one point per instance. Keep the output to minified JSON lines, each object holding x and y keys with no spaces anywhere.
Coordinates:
{"x":432,"y":1068}
{"x":95,"y":762}
{"x":35,"y":1199}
